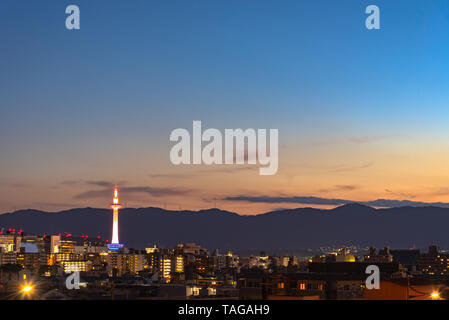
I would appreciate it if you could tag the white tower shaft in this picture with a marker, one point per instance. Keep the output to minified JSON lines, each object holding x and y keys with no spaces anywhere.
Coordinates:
{"x":115,"y":227}
{"x":115,"y":207}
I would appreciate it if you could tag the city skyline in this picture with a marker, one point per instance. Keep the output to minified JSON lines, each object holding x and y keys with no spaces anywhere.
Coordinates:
{"x":35,"y":267}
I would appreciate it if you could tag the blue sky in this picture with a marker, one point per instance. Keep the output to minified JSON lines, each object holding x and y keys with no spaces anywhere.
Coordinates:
{"x":138,"y":69}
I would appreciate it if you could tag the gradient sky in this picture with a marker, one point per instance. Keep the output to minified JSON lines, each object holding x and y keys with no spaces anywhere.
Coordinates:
{"x":362,"y":114}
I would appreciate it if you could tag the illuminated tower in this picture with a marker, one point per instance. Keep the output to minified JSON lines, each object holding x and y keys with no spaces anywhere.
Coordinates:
{"x":115,"y":205}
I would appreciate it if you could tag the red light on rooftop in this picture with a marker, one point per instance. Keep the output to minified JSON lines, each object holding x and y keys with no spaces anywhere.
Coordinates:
{"x":98,"y":237}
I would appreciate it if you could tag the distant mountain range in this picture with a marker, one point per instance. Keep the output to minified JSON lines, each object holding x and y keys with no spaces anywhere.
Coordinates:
{"x":277,"y":231}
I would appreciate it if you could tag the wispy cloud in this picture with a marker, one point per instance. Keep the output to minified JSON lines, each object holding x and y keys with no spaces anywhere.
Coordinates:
{"x":387,"y":203}
{"x":218,"y":169}
{"x":17,"y":185}
{"x":69,"y":182}
{"x":55,"y":204}
{"x":228,"y":169}
{"x":336,"y":168}
{"x":370,"y":139}
{"x":96,"y":183}
{"x":352,"y":140}
{"x":400,"y":194}
{"x":350,"y":167}
{"x":440,"y":192}
{"x":152,"y":191}
{"x":171,"y":176}
{"x":339,"y":188}
{"x":99,"y":183}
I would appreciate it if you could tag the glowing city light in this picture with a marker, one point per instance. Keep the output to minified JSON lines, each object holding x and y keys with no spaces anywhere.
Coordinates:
{"x":435,"y":295}
{"x":27,"y":289}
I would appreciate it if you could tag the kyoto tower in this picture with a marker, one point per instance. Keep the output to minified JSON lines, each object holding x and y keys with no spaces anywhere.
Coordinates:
{"x":115,"y":205}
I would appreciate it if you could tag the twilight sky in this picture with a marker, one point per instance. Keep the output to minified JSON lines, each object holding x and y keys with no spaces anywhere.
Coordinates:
{"x":362,"y":114}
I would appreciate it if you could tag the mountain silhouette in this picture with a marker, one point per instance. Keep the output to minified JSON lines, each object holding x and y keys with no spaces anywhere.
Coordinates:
{"x":283,"y":230}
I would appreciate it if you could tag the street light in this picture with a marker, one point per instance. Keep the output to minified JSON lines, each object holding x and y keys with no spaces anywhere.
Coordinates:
{"x":27,"y":289}
{"x":435,"y":295}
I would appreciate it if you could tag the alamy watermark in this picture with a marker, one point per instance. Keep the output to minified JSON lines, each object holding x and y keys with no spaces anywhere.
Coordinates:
{"x":73,"y":281}
{"x":239,"y":147}
{"x":373,"y":280}
{"x":373,"y":20}
{"x":72,"y":21}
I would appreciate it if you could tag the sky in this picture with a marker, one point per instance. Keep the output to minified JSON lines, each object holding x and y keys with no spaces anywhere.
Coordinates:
{"x":362,"y":114}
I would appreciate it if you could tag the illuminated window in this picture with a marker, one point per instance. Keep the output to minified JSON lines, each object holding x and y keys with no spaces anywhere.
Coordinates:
{"x":280,"y":285}
{"x":302,"y":286}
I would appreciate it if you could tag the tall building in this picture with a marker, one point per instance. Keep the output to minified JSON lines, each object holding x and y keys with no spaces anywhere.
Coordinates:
{"x":384,"y":256}
{"x":115,"y":205}
{"x":10,"y":242}
{"x":434,"y":262}
{"x":76,"y":265}
{"x":179,"y":264}
{"x":124,"y":263}
{"x":165,"y":268}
